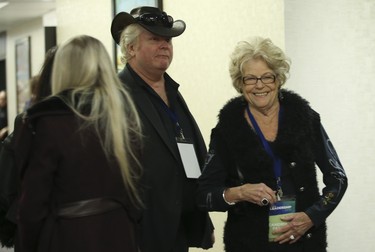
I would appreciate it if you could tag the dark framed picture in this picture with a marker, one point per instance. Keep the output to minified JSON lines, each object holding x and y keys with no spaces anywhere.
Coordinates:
{"x":23,"y":72}
{"x":127,"y":6}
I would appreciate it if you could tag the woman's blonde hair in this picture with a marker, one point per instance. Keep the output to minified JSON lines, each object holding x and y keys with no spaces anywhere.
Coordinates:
{"x":83,"y":66}
{"x":258,"y":48}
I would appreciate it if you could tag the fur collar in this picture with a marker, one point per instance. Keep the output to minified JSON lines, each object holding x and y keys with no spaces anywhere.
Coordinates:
{"x":295,"y":133}
{"x":295,"y":123}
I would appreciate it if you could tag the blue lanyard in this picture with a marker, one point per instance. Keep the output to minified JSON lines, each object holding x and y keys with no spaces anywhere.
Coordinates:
{"x":267,"y":147}
{"x":173,"y":116}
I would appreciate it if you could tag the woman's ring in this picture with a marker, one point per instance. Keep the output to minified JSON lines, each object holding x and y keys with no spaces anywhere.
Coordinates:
{"x":292,"y":237}
{"x":264,"y":202}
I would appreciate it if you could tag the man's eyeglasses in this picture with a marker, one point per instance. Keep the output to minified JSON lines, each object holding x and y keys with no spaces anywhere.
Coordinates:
{"x":156,"y":19}
{"x":265,"y":79}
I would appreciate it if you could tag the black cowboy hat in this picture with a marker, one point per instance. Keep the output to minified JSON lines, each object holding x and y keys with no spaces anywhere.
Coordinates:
{"x":151,"y":18}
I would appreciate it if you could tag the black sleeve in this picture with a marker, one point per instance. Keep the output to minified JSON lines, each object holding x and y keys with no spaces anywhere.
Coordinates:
{"x":8,"y":172}
{"x":212,"y":182}
{"x":334,"y":179}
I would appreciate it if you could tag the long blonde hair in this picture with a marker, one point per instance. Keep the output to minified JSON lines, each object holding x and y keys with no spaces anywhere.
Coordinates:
{"x":83,"y":66}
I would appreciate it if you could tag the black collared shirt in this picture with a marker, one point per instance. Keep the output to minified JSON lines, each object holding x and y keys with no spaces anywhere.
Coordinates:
{"x":176,"y":106}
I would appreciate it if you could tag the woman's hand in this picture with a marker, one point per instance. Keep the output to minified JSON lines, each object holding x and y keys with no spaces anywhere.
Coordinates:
{"x":254,"y":193}
{"x":298,"y":224}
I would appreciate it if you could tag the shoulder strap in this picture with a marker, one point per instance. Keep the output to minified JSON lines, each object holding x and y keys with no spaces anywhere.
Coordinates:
{"x":24,"y":132}
{"x":8,"y":172}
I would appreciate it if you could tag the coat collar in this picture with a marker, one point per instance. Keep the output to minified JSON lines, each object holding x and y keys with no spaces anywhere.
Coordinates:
{"x":145,"y":106}
{"x":50,"y":106}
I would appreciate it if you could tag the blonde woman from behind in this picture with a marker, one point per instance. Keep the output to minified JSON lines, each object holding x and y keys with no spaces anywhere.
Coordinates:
{"x":79,"y":188}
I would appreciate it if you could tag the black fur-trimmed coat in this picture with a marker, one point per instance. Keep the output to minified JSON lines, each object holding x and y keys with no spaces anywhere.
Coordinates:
{"x":238,"y":152}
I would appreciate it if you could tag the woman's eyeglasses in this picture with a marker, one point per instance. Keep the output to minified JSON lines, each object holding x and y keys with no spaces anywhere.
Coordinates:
{"x":156,"y":19}
{"x":265,"y":79}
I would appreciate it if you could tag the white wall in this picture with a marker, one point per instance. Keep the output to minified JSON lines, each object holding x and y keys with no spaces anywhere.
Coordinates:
{"x":35,"y":30}
{"x":85,"y":17}
{"x":332,"y":45}
{"x":202,"y":52}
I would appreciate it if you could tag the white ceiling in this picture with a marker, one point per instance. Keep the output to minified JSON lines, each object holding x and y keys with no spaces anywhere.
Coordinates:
{"x":20,"y":11}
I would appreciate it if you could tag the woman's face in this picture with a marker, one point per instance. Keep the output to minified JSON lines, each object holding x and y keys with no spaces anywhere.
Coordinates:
{"x":262,"y":93}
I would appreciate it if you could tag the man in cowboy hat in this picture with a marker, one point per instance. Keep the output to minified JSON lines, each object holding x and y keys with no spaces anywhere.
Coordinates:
{"x":171,"y":221}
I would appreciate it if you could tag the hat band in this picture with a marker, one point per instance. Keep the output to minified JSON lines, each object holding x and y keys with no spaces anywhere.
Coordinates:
{"x":156,"y":19}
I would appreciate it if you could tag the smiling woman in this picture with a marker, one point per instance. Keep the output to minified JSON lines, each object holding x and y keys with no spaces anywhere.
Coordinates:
{"x":281,"y":136}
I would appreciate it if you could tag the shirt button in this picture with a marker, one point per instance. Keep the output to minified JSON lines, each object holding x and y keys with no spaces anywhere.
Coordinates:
{"x":292,"y":164}
{"x":301,"y":189}
{"x":309,"y":235}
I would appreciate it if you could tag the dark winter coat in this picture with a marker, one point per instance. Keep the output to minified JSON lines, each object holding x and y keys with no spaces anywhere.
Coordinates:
{"x":67,"y":165}
{"x":236,"y":157}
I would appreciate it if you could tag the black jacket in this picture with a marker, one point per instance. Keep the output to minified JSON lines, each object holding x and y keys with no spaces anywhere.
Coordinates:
{"x":237,"y":156}
{"x":66,"y":166}
{"x":164,"y":177}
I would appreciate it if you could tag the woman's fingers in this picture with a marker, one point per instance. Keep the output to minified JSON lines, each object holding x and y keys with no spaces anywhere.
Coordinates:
{"x":259,"y":194}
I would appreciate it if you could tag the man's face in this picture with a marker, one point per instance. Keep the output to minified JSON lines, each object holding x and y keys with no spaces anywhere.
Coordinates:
{"x":152,"y":52}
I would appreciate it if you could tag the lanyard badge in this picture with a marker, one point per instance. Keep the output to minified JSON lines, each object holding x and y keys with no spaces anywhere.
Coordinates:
{"x":185,"y":148}
{"x":189,"y":158}
{"x":267,"y":147}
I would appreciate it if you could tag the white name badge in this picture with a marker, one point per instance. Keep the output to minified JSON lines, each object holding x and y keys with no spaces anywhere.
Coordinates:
{"x":189,"y":159}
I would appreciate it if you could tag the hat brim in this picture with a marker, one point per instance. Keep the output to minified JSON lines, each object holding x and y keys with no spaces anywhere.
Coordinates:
{"x":123,"y":19}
